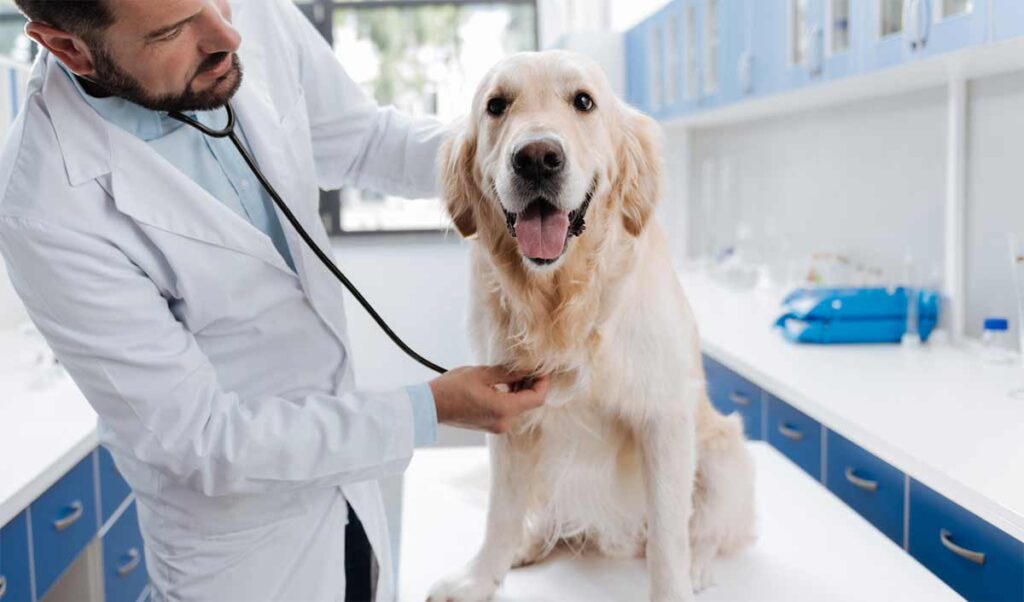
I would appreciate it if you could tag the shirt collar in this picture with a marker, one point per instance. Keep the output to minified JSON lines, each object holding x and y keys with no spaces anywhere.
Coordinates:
{"x":135,"y":119}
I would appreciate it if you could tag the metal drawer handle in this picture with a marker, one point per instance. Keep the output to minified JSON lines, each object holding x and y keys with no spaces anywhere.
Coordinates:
{"x":134,"y":558}
{"x":76,"y":513}
{"x":947,"y":540}
{"x":790,"y":432}
{"x":862,"y":483}
{"x":739,"y":398}
{"x":3,"y":586}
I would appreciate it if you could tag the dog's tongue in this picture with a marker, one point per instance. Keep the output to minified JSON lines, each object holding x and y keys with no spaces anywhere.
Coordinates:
{"x":541,"y":230}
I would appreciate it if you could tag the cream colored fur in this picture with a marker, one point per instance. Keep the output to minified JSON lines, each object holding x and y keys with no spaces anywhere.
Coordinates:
{"x":628,"y":458}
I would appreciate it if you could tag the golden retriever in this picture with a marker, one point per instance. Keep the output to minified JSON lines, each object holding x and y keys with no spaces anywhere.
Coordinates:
{"x":556,"y":180}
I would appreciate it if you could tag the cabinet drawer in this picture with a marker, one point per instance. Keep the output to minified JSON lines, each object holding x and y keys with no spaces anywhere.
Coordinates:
{"x":730,"y":393}
{"x":124,"y":561}
{"x":15,"y":583}
{"x":796,"y":435}
{"x":63,"y":523}
{"x":976,"y":559}
{"x":113,"y":488}
{"x":868,"y":485}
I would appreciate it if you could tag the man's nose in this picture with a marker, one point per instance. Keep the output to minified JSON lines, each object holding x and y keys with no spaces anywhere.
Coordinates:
{"x":539,"y":160}
{"x":219,"y":35}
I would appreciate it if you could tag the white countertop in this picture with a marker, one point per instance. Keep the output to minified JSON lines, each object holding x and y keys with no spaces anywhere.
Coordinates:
{"x":811,"y":546}
{"x":46,"y":426}
{"x":937,"y":412}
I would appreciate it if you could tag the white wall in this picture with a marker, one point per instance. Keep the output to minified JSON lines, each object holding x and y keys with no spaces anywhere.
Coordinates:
{"x":995,"y":193}
{"x":866,"y":180}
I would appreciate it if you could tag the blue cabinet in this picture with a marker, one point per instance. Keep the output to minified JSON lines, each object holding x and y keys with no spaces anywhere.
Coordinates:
{"x":844,"y":24}
{"x":889,"y":39}
{"x":973,"y":557}
{"x":64,"y":520}
{"x":730,"y":392}
{"x":796,"y":435}
{"x":15,"y":579}
{"x":867,"y":484}
{"x":124,"y":562}
{"x":113,"y":488}
{"x":768,"y":46}
{"x":638,"y":68}
{"x":954,"y":24}
{"x":1007,"y":19}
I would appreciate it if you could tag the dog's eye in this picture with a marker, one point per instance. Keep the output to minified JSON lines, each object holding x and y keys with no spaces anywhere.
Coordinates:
{"x":583,"y":102}
{"x":497,"y":106}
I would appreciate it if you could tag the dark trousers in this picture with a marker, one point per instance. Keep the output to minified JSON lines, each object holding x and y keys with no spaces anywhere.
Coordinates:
{"x":359,"y":562}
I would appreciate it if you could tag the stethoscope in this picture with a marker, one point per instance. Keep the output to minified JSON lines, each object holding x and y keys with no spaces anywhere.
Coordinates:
{"x":228,"y":131}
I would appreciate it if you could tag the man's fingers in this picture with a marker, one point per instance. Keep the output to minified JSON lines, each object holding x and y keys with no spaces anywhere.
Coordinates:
{"x":496,"y":375}
{"x":532,"y":392}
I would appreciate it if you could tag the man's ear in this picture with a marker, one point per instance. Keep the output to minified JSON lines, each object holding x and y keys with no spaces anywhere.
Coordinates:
{"x":458,"y":185}
{"x":69,"y":48}
{"x":639,"y":181}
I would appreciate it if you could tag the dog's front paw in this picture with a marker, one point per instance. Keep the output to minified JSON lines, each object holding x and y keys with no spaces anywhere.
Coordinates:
{"x":703,"y":577}
{"x":464,"y":587}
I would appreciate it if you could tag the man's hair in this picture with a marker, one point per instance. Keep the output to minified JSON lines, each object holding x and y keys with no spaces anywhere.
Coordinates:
{"x":84,"y":18}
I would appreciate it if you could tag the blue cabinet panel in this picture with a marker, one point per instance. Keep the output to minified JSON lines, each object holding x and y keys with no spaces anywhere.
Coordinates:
{"x":124,"y":562}
{"x":113,"y":488}
{"x":15,"y":579}
{"x":844,"y":24}
{"x":769,"y":31}
{"x":867,"y":484}
{"x":1007,"y":19}
{"x":63,"y":523}
{"x":730,"y":392}
{"x":886,"y":41}
{"x":976,"y":559}
{"x":955,"y":30}
{"x":636,"y":68}
{"x":796,"y":435}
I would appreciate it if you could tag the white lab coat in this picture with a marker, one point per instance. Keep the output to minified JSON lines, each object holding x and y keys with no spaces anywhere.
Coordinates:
{"x":221,"y":377}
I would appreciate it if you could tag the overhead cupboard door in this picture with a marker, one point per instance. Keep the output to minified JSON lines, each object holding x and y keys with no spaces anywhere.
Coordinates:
{"x":954,"y":24}
{"x":843,"y":26}
{"x":1007,"y":19}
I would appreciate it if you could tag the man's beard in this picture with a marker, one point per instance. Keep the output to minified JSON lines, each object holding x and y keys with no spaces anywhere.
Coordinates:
{"x":115,"y":81}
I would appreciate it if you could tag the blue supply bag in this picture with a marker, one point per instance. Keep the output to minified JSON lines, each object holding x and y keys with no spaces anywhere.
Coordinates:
{"x":854,"y":315}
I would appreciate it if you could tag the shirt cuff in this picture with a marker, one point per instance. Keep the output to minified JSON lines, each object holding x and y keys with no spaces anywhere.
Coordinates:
{"x":424,"y":414}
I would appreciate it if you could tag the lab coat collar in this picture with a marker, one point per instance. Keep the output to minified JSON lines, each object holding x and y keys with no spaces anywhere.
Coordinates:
{"x":144,"y":185}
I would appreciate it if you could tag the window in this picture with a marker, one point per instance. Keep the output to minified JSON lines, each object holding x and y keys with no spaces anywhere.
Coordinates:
{"x":838,"y":26}
{"x":424,"y":57}
{"x":710,"y":46}
{"x":14,"y":43}
{"x":890,"y":18}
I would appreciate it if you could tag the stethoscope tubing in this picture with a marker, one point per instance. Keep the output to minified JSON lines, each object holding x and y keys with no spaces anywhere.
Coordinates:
{"x":228,"y":131}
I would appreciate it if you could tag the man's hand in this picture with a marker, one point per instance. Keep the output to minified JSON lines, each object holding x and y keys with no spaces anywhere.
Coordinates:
{"x":469,"y":397}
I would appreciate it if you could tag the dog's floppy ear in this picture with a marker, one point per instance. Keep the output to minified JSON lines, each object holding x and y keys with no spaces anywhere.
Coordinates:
{"x":458,"y":186}
{"x":639,"y":180}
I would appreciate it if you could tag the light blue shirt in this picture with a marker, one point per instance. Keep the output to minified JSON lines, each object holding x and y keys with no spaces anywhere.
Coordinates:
{"x":217,"y":166}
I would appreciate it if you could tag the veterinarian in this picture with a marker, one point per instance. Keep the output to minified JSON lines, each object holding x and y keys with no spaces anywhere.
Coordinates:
{"x":209,"y":340}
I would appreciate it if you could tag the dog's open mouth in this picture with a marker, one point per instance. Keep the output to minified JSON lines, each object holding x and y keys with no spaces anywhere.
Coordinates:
{"x":543,"y":230}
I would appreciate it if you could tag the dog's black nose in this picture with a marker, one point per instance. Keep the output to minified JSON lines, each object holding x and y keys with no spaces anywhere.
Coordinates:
{"x":539,"y":160}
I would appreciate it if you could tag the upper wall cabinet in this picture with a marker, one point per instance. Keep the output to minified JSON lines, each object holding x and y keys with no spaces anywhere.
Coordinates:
{"x":953,"y":24}
{"x":900,"y":31}
{"x":1007,"y":18}
{"x":689,"y":56}
{"x":695,"y":55}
